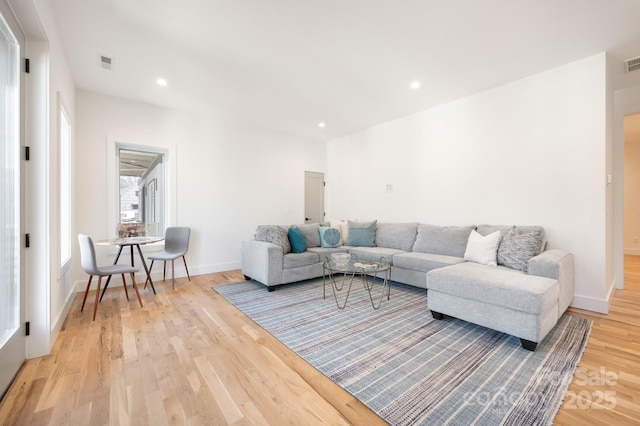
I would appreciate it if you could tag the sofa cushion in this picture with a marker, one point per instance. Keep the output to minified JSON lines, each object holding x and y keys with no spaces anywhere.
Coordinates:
{"x":295,"y":260}
{"x":424,"y":262}
{"x":329,"y":237}
{"x":483,"y":249}
{"x":311,"y":233}
{"x":362,"y":234}
{"x":297,"y":240}
{"x":518,"y":247}
{"x":399,"y":236}
{"x":445,"y":240}
{"x":499,"y":285}
{"x":274,"y":234}
{"x":373,"y":254}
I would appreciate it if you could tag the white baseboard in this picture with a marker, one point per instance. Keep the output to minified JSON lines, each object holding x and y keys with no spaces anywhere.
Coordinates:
{"x":592,"y":303}
{"x":217,"y":267}
{"x":156,"y":273}
{"x":57,"y":324}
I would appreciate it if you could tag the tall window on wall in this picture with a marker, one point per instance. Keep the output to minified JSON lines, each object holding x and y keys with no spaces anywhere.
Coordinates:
{"x":9,"y":188}
{"x":141,"y":191}
{"x":65,"y":184}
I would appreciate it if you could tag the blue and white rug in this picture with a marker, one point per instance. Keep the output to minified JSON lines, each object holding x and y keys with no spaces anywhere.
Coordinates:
{"x":411,"y":369}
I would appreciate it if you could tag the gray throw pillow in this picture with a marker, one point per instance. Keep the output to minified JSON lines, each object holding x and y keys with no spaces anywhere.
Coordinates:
{"x":311,"y":233}
{"x":274,"y":234}
{"x":516,"y":248}
{"x":525,"y":229}
{"x":362,"y":234}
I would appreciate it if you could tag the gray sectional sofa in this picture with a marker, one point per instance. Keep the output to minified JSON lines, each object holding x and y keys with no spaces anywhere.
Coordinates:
{"x":524,"y":299}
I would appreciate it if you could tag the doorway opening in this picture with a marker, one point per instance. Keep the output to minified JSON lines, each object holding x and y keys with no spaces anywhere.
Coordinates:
{"x":313,"y":197}
{"x":631,"y":235}
{"x":141,"y":192}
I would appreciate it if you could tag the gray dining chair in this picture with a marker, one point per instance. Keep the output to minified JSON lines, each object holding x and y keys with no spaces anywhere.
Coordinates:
{"x":176,"y":244}
{"x":90,"y":266}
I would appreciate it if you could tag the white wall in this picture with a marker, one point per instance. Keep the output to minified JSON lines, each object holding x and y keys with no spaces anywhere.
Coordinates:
{"x":61,"y":89}
{"x":228,"y":178}
{"x":531,"y":152}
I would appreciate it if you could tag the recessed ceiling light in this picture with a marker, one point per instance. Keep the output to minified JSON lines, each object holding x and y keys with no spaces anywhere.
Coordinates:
{"x":321,"y":124}
{"x":415,"y":85}
{"x":161,"y":82}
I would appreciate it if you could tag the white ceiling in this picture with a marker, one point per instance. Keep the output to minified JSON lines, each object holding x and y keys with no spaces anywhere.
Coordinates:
{"x":289,"y":64}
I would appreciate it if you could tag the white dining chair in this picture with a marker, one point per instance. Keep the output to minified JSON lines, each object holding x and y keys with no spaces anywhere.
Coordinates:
{"x":90,"y":266}
{"x":176,"y":244}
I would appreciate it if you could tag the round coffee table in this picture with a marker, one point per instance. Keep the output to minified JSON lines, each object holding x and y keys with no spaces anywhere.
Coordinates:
{"x":342,"y":275}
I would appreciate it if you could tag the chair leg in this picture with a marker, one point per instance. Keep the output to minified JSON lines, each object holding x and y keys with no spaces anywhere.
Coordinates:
{"x":164,"y":271}
{"x":95,"y":306}
{"x":135,"y":287}
{"x":173,"y":274}
{"x":150,"y":268}
{"x":185,"y":267}
{"x":86,"y":292}
{"x":124,"y":284}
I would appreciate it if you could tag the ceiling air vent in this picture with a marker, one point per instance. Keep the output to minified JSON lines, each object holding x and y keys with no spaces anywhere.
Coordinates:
{"x":632,"y":64}
{"x":106,"y":62}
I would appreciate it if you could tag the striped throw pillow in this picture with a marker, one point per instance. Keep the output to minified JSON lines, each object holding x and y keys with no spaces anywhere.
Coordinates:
{"x":481,"y":249}
{"x":517,"y":248}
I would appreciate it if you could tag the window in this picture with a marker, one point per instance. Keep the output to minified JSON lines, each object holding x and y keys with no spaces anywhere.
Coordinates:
{"x":141,"y":191}
{"x":65,"y":185}
{"x":9,"y":185}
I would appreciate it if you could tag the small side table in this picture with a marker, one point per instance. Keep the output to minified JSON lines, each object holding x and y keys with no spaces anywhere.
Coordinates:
{"x":131,"y":242}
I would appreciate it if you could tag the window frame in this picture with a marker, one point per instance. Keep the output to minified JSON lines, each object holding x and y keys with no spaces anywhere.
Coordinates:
{"x":65,"y":180}
{"x":113,"y":145}
{"x":13,"y":307}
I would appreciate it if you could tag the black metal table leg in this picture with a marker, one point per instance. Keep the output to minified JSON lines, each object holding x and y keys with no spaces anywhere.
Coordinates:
{"x":145,"y":267}
{"x":109,"y":278}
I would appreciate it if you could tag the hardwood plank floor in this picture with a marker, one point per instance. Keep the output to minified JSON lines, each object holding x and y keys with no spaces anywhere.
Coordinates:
{"x":189,"y":357}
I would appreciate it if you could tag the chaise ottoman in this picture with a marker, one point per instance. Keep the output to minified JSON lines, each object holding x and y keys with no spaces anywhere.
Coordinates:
{"x":500,"y":298}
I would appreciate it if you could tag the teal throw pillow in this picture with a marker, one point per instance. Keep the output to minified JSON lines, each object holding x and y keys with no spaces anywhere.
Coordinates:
{"x":362,"y":234}
{"x":329,"y":237}
{"x":296,"y":239}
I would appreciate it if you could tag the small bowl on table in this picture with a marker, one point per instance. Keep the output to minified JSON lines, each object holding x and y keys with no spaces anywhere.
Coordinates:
{"x":341,"y":259}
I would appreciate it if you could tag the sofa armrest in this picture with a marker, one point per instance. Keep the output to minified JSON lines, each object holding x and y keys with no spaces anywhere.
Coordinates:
{"x":262,"y":261}
{"x":556,"y":264}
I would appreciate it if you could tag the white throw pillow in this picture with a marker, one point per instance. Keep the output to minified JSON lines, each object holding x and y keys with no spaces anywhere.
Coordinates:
{"x":343,"y":226}
{"x":481,"y":249}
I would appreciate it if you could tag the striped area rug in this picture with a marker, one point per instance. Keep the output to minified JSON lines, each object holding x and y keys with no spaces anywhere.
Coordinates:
{"x":411,"y":369}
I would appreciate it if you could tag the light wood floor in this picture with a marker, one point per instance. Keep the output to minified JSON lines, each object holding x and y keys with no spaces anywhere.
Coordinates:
{"x":189,"y":357}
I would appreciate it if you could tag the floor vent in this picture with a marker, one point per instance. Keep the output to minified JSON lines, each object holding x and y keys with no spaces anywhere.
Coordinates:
{"x":632,"y":64}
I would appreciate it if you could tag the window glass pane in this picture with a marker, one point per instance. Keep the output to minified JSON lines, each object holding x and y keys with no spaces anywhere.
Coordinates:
{"x":9,"y":185}
{"x":141,"y":193}
{"x":65,"y":188}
